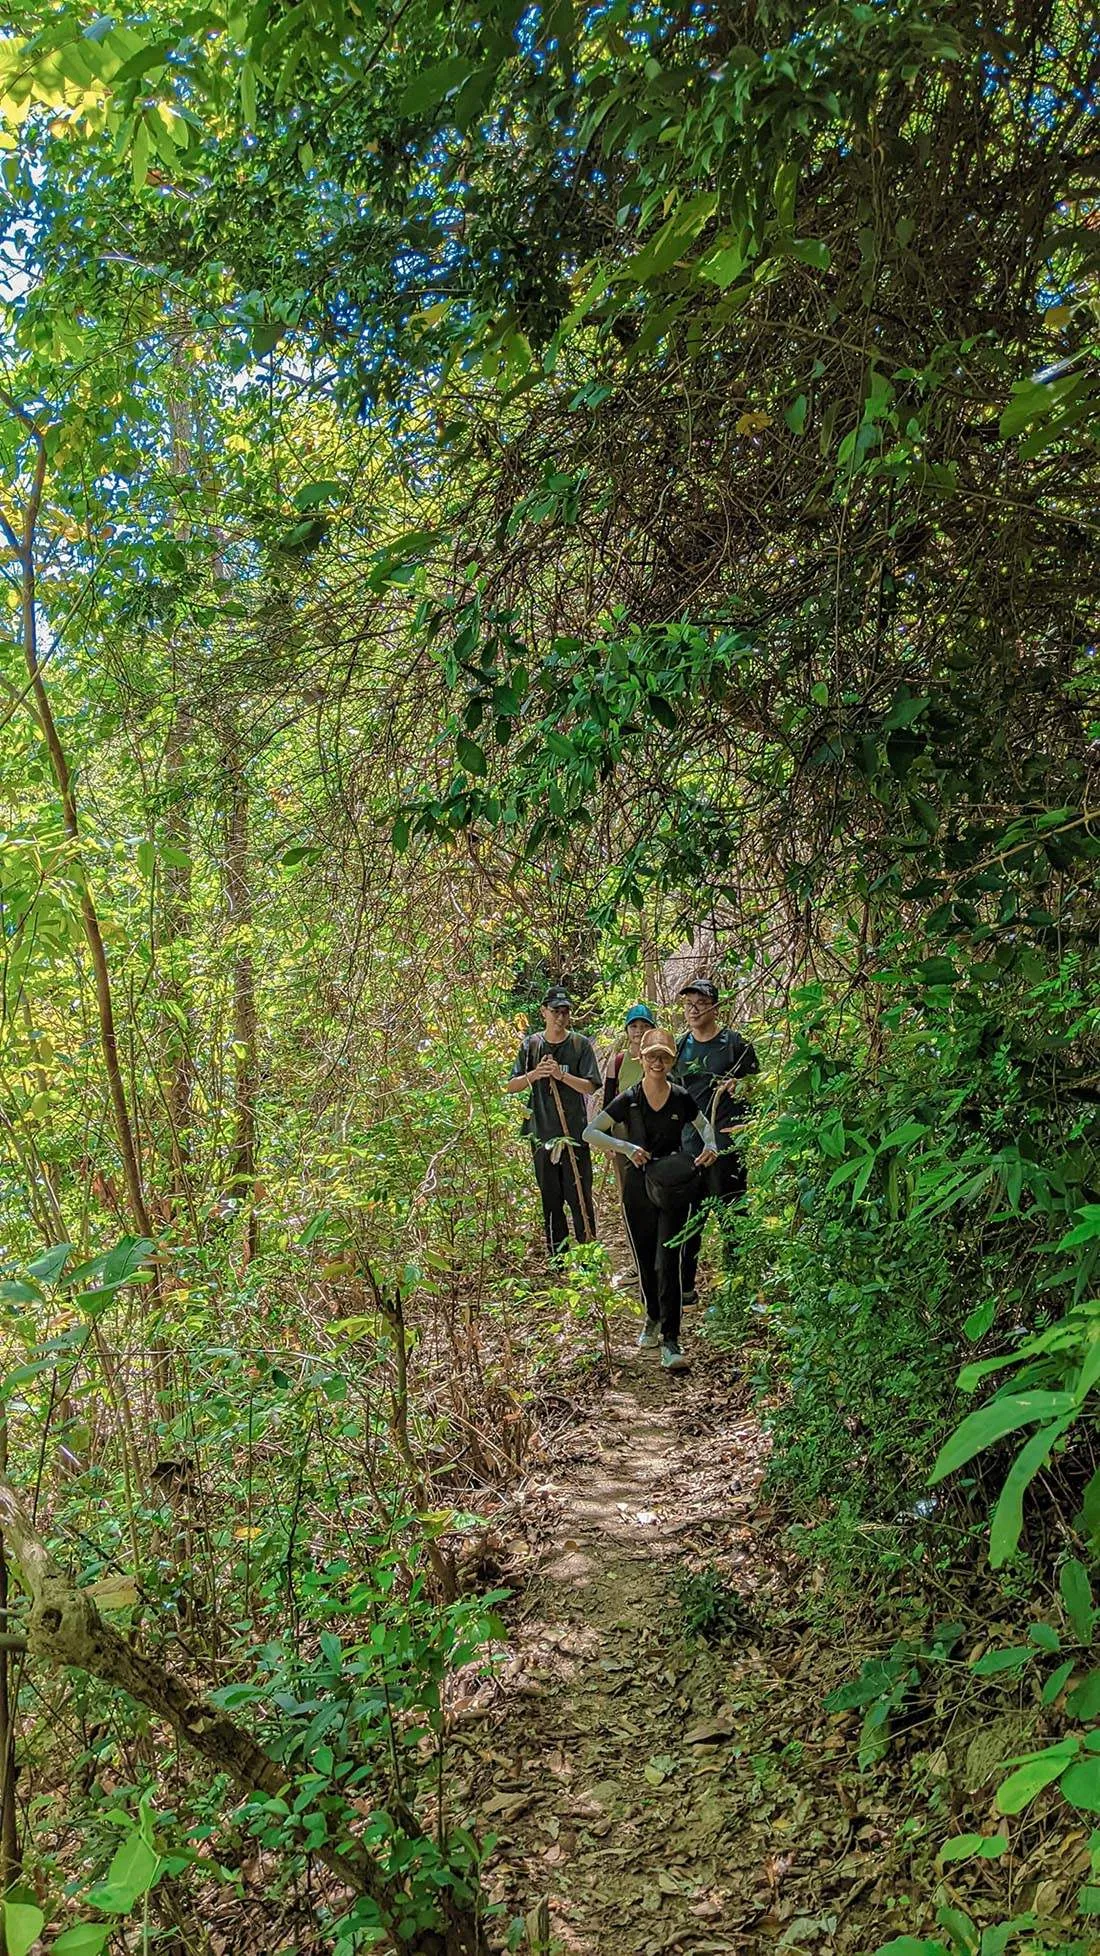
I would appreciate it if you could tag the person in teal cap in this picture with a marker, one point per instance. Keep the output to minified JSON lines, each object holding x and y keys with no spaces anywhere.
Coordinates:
{"x":625,"y":1066}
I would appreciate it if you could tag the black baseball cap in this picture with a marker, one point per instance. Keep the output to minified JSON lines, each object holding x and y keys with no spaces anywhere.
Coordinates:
{"x":557,"y":995}
{"x":705,"y":986}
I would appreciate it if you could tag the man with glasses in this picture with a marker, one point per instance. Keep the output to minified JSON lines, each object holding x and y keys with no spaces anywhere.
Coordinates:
{"x":558,"y":1067}
{"x":712,"y":1063}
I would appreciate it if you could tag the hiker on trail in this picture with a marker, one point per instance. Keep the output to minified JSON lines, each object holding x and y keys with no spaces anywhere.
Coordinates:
{"x":558,"y":1068}
{"x":624,"y":1068}
{"x":712,"y":1063}
{"x":657,"y":1184}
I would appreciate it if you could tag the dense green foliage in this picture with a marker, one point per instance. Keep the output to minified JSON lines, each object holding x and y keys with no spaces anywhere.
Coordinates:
{"x":487,"y":496}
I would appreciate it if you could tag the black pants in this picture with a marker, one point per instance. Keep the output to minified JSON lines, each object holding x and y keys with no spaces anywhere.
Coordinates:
{"x":558,"y":1189}
{"x":659,"y":1265}
{"x":726,"y":1183}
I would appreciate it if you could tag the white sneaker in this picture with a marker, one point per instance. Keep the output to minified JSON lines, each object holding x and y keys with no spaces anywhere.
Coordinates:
{"x":672,"y":1358}
{"x":651,"y":1335}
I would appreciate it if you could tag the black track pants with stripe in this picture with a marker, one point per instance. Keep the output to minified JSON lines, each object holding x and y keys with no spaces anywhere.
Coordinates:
{"x":659,"y":1264}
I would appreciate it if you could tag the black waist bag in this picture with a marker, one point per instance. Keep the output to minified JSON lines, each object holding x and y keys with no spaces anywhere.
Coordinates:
{"x":673,"y":1182}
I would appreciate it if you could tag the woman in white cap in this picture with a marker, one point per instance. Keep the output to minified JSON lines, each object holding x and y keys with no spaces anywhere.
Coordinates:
{"x":656,"y":1184}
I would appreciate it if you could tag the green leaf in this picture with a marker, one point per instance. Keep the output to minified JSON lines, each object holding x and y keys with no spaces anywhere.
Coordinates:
{"x":911,"y":1946}
{"x":248,"y":93}
{"x":140,"y":153}
{"x":662,"y":712}
{"x":996,"y":1661}
{"x":936,"y":971}
{"x":315,"y":493}
{"x":1057,"y":1681}
{"x":471,"y":756}
{"x":13,"y":1292}
{"x":1045,"y":1637}
{"x":722,"y":265}
{"x":1084,"y":1699}
{"x":1080,"y":1785}
{"x":904,"y":1136}
{"x":431,"y":89}
{"x":905,"y":710}
{"x":126,"y":1259}
{"x":134,"y":1869}
{"x":993,"y":1422}
{"x":23,"y":1925}
{"x":671,"y":240}
{"x":1008,"y":1516}
{"x":786,"y":185}
{"x":1076,"y":1593}
{"x":965,"y":1847}
{"x":1031,"y":399}
{"x":1020,"y":1788}
{"x":48,"y":1267}
{"x":807,"y":251}
{"x":795,"y":415}
{"x":86,"y":1939}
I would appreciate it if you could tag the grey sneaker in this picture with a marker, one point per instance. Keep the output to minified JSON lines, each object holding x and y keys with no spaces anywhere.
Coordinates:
{"x":690,"y":1299}
{"x":672,"y":1358}
{"x":651,"y":1336}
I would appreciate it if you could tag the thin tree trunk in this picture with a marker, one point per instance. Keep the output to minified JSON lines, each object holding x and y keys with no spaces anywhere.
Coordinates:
{"x":25,"y":547}
{"x":176,"y":1018}
{"x":10,"y":1859}
{"x":238,"y":893}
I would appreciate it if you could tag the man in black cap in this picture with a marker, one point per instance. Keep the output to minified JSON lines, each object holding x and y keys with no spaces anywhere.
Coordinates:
{"x":559,"y":1068}
{"x":711,"y":1061}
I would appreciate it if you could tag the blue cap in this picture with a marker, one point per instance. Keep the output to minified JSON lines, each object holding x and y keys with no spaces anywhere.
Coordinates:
{"x":637,"y":1012}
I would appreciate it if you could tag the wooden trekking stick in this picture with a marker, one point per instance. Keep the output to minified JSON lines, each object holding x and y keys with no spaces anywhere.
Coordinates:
{"x":589,"y":1223}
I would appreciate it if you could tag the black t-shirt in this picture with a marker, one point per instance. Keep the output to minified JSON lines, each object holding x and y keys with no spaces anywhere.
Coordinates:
{"x":701,"y":1063}
{"x":662,"y":1126}
{"x":574,"y":1054}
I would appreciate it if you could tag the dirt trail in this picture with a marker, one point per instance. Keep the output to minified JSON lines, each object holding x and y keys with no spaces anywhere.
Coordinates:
{"x":648,"y":1785}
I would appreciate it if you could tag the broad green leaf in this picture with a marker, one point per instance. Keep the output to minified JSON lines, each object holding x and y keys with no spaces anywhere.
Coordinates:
{"x":431,"y":89}
{"x":471,"y":756}
{"x":126,"y":1259}
{"x":1008,"y":1515}
{"x":48,"y":1267}
{"x":996,"y":1661}
{"x":1084,"y":1700}
{"x":134,"y":1869}
{"x":911,"y":1946}
{"x":1030,"y":1777}
{"x":722,"y":265}
{"x":993,"y":1422}
{"x":967,"y":1847}
{"x":85,"y":1939}
{"x":1080,"y":1784}
{"x":23,"y":1924}
{"x":807,"y":251}
{"x":671,"y":240}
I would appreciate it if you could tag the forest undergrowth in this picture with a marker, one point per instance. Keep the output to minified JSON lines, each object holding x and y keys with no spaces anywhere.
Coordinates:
{"x":493,"y":498}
